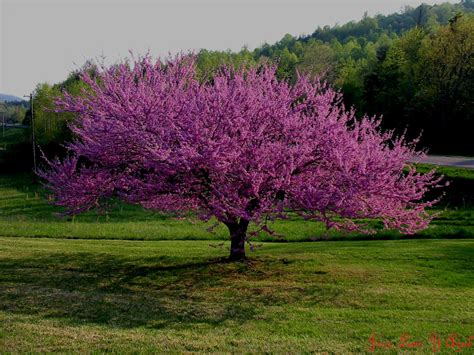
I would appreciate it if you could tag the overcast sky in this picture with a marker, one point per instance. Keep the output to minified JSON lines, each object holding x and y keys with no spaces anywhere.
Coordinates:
{"x":43,"y":40}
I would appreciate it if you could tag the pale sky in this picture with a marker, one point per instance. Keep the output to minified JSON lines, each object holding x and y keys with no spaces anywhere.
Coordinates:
{"x":43,"y":40}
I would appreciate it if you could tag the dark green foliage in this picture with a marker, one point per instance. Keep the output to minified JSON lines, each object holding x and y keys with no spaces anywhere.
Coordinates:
{"x":15,"y":150}
{"x":423,"y":82}
{"x":51,"y":129}
{"x":460,"y":192}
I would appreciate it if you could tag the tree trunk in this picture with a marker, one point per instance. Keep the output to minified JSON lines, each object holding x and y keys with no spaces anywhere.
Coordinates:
{"x":238,"y":234}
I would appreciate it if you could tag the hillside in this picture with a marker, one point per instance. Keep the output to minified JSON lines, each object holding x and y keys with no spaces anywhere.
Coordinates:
{"x":396,"y":23}
{"x":9,"y":98}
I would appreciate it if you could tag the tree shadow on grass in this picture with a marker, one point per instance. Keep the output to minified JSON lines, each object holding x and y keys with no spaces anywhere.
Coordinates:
{"x":185,"y":292}
{"x":115,"y":291}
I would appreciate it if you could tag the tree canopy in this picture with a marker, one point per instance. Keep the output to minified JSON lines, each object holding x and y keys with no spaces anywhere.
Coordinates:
{"x":240,"y":147}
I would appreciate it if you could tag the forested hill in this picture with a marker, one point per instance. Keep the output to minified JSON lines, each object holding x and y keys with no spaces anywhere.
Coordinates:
{"x":356,"y":36}
{"x":371,"y":28}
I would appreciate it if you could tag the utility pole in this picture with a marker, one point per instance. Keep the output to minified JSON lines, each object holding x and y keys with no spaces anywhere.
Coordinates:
{"x":2,"y":111}
{"x":33,"y":141}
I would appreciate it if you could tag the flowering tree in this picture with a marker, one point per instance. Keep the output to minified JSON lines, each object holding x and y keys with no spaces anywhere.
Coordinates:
{"x":242,"y":147}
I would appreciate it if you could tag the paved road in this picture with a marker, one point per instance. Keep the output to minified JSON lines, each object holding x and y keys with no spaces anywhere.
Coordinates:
{"x":460,"y":162}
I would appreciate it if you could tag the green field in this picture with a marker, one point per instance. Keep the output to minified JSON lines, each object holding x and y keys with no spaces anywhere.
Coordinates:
{"x":134,"y":280}
{"x":90,"y":295}
{"x":12,"y":136}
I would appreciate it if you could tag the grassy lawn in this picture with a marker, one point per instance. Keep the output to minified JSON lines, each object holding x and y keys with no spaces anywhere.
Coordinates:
{"x":12,"y":136}
{"x":87,"y":295}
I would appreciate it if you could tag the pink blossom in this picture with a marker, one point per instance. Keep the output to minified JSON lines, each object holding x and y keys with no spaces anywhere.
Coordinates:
{"x":242,"y":147}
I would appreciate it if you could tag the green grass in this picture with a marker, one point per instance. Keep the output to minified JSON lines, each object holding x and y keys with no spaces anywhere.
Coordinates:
{"x":11,"y":137}
{"x":87,"y":295}
{"x":449,"y":171}
{"x":25,"y":212}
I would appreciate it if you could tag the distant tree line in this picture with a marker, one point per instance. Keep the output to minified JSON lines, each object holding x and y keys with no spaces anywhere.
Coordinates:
{"x":13,"y":111}
{"x":415,"y":68}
